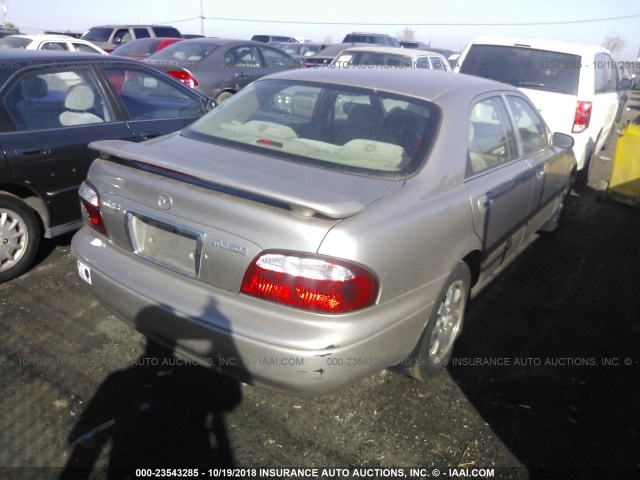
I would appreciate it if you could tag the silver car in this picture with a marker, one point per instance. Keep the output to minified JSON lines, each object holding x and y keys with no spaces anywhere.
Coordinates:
{"x":322,"y":225}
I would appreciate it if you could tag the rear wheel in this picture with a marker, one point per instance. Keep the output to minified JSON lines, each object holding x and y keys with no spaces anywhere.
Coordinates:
{"x":19,"y":237}
{"x":445,"y":324}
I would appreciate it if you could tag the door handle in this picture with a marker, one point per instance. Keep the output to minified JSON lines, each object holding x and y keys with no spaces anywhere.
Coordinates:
{"x":540,"y":174}
{"x":34,"y":151}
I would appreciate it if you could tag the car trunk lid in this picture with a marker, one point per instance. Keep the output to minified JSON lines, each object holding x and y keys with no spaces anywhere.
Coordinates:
{"x":207,"y":213}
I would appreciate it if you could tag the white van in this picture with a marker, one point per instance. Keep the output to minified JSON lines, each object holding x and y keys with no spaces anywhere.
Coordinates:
{"x":574,"y":86}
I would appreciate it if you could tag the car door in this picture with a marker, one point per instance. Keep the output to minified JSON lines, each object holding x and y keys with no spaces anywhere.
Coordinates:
{"x":550,"y":170}
{"x":276,"y":60}
{"x":243,"y":65}
{"x":153,"y":104}
{"x":55,"y":112}
{"x":499,"y":181}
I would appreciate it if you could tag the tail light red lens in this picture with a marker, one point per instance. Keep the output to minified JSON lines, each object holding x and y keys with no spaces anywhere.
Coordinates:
{"x":582,"y":117}
{"x":310,"y":282}
{"x":185,"y":77}
{"x":90,"y":206}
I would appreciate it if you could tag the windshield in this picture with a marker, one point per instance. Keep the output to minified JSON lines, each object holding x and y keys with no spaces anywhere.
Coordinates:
{"x":355,"y":130}
{"x":525,"y":67}
{"x":97,"y":34}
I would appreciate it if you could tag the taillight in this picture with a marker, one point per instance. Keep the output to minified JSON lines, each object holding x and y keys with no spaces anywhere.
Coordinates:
{"x":185,"y":77}
{"x":90,"y":206}
{"x":310,"y":282}
{"x":582,"y":117}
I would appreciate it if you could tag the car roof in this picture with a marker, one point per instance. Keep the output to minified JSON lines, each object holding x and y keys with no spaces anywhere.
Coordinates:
{"x":48,"y":36}
{"x":541,"y":44}
{"x":225,"y":41}
{"x":127,"y":25}
{"x":418,"y":83}
{"x":393,"y":51}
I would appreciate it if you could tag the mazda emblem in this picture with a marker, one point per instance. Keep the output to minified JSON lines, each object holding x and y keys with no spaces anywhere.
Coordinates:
{"x":165,"y":201}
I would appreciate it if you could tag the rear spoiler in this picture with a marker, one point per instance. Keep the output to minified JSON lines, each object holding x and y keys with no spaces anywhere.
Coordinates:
{"x":228,"y":179}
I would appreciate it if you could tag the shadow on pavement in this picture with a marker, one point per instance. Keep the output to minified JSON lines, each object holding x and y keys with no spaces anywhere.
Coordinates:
{"x":549,"y":356}
{"x":162,"y":412}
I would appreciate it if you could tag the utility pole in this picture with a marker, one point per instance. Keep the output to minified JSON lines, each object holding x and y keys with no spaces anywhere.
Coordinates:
{"x":201,"y":19}
{"x":5,"y":9}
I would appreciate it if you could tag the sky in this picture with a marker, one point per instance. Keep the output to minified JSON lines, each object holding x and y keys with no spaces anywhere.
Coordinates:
{"x":444,"y":24}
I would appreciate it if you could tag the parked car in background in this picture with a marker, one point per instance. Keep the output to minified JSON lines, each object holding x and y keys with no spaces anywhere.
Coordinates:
{"x":300,"y":50}
{"x":108,"y":37}
{"x":413,"y":44}
{"x":273,"y":39}
{"x":390,"y":57}
{"x":188,"y":36}
{"x":377,"y":38}
{"x":574,"y":86}
{"x":331,"y":221}
{"x":143,"y":47}
{"x":52,"y":105}
{"x":8,"y":31}
{"x":50,"y":42}
{"x":220,"y":67}
{"x":325,"y":56}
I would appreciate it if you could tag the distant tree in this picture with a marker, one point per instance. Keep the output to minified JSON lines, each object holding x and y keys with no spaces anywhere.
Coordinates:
{"x":9,"y":25}
{"x":328,"y":40}
{"x":615,"y":43}
{"x":407,"y":35}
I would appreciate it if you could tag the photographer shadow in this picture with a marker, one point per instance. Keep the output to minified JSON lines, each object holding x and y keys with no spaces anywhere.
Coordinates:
{"x":163,"y":412}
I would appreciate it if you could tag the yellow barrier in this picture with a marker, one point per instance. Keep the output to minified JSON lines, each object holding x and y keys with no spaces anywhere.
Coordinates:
{"x":624,"y":184}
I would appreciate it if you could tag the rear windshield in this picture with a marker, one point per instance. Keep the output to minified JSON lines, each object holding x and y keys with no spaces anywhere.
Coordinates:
{"x":98,"y":34}
{"x":360,"y":131}
{"x":14,"y":42}
{"x":377,"y":59}
{"x":190,"y":50}
{"x":525,"y":67}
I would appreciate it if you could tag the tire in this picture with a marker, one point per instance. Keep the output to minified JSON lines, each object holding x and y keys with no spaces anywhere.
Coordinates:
{"x":223,"y":96}
{"x":445,"y":324}
{"x":554,"y":222}
{"x":19,"y":237}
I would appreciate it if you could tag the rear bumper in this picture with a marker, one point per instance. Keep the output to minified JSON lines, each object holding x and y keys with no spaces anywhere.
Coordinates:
{"x":267,"y":345}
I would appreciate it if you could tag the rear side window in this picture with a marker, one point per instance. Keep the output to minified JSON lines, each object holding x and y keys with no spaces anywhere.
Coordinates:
{"x":491,"y":140}
{"x":167,"y":32}
{"x":525,"y":67}
{"x":57,"y":98}
{"x":530,"y":126}
{"x":605,"y":75}
{"x":141,"y":33}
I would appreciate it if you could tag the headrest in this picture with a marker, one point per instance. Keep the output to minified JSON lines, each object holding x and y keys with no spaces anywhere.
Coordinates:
{"x":34,"y":87}
{"x":80,"y":98}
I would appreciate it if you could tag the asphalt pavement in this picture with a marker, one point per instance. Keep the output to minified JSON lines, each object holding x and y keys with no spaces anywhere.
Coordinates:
{"x":542,"y":383}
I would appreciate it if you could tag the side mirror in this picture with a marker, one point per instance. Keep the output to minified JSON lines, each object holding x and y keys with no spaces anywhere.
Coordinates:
{"x":562,"y":140}
{"x":625,"y":84}
{"x":209,"y":104}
